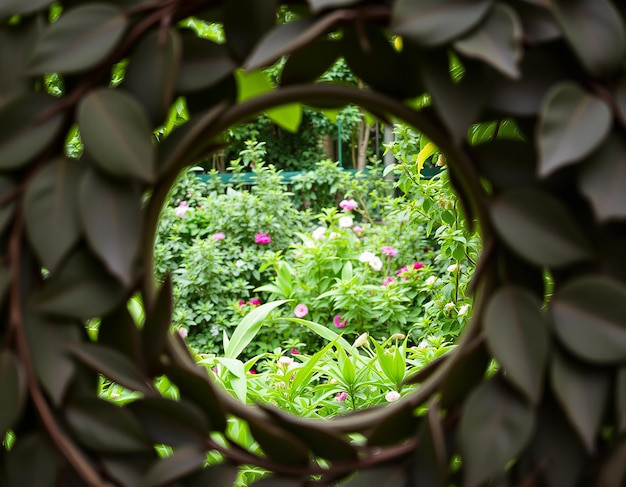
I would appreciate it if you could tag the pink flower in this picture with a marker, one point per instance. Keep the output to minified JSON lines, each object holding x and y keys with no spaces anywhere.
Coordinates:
{"x":294,"y":351}
{"x":341,"y":396}
{"x":402,"y":270}
{"x":357,"y":229}
{"x":219,"y":236}
{"x":262,"y":238}
{"x":418,"y":265}
{"x":392,"y":396}
{"x":338,"y":323}
{"x":182,"y":332}
{"x":181,"y":209}
{"x":241,"y":303}
{"x":255,"y":302}
{"x":388,"y":281}
{"x":252,"y":371}
{"x":348,"y":205}
{"x":389,"y":251}
{"x":301,"y":311}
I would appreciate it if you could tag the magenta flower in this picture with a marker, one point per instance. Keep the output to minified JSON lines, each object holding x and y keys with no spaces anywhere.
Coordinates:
{"x":255,"y":302}
{"x":338,"y":323}
{"x":219,"y":236}
{"x":262,"y":238}
{"x":301,"y":311}
{"x":388,"y":281}
{"x":341,"y":396}
{"x":182,"y":209}
{"x":348,"y":205}
{"x":357,"y":229}
{"x":402,"y":270}
{"x":418,"y":265}
{"x":389,"y":251}
{"x":241,"y":303}
{"x":294,"y":351}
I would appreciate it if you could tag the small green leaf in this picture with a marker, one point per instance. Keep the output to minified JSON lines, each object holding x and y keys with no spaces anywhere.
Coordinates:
{"x":498,"y":41}
{"x":539,"y":227}
{"x":435,"y":22}
{"x":117,"y":134}
{"x":582,"y":392}
{"x":572,"y":124}
{"x":13,"y":386}
{"x":589,"y":316}
{"x":81,"y":38}
{"x":517,"y":333}
{"x":51,"y":206}
{"x":22,"y":134}
{"x":498,"y":420}
{"x":110,"y":211}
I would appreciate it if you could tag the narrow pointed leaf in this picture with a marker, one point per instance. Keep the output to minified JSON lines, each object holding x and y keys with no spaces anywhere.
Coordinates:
{"x":620,"y":399}
{"x":539,"y":228}
{"x":110,"y":211}
{"x":589,"y":316}
{"x":498,"y":41}
{"x":119,"y":331}
{"x":204,"y":63}
{"x":244,"y":31}
{"x":517,"y":334}
{"x":81,"y":38}
{"x":430,"y":463}
{"x":278,"y":443}
{"x":13,"y":386}
{"x":498,"y":420}
{"x":582,"y":392}
{"x":51,"y":205}
{"x":7,"y":188}
{"x":22,"y":135}
{"x":572,"y":124}
{"x":595,"y":30}
{"x":117,"y":134}
{"x":181,"y":463}
{"x":157,"y":324}
{"x":435,"y":22}
{"x":603,"y":177}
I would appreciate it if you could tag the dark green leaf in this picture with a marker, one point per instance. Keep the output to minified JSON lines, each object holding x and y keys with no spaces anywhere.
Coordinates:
{"x":278,"y":443}
{"x":517,"y":334}
{"x":33,"y":450}
{"x":310,"y":62}
{"x":507,"y":164}
{"x":435,"y":22}
{"x":539,"y":228}
{"x":582,"y":392}
{"x":81,"y":38}
{"x":589,"y":316}
{"x":116,"y":133}
{"x":7,"y":188}
{"x":181,"y":463}
{"x":51,"y":206}
{"x":619,"y":95}
{"x":22,"y":134}
{"x":81,"y":288}
{"x":430,"y":463}
{"x":157,"y":324}
{"x":537,"y":22}
{"x":204,"y":63}
{"x":244,"y":31}
{"x":48,"y":342}
{"x":392,"y":429}
{"x":595,"y":31}
{"x":104,"y":427}
{"x":319,"y":5}
{"x":500,"y":422}
{"x":613,"y":472}
{"x":9,"y":8}
{"x":112,"y":365}
{"x":387,"y":476}
{"x":128,"y":470}
{"x":603,"y":177}
{"x":175,"y":423}
{"x":464,"y":376}
{"x":110,"y":211}
{"x":620,"y":399}
{"x":152,"y":72}
{"x":5,"y":282}
{"x":498,"y":41}
{"x":571,"y":125}
{"x":13,"y":387}
{"x":222,"y":475}
{"x":118,"y":330}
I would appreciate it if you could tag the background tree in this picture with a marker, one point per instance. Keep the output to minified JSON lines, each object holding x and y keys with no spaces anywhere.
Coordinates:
{"x":77,"y":236}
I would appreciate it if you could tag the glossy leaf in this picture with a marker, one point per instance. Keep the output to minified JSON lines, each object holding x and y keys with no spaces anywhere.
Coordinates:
{"x":222,"y":475}
{"x":152,"y":72}
{"x":168,"y":422}
{"x":81,"y":288}
{"x":435,"y":22}
{"x":181,"y":463}
{"x":538,"y":227}
{"x":498,"y":420}
{"x":13,"y":386}
{"x":602,"y":178}
{"x":310,"y":62}
{"x":508,"y":164}
{"x":498,"y":41}
{"x":279,"y":444}
{"x":244,"y":31}
{"x":117,"y":134}
{"x":51,"y":206}
{"x":582,"y":392}
{"x":571,"y":125}
{"x":394,"y":428}
{"x":119,"y":331}
{"x":589,"y":316}
{"x":465,"y":375}
{"x":22,"y":135}
{"x":105,"y":427}
{"x":9,"y":8}
{"x":33,"y":449}
{"x":595,"y":31}
{"x":620,"y":399}
{"x":204,"y":63}
{"x":111,"y":364}
{"x":537,"y":22}
{"x":81,"y":38}
{"x":128,"y":470}
{"x":518,"y":335}
{"x":110,"y":212}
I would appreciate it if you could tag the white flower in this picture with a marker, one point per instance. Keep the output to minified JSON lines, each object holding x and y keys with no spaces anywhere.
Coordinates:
{"x":422,"y":344}
{"x":463,"y":310}
{"x":376,"y":264}
{"x":285,"y":361}
{"x":431,"y":280}
{"x":392,"y":396}
{"x":362,"y":340}
{"x":318,"y":233}
{"x":449,"y":306}
{"x":334,"y":235}
{"x":366,"y":257}
{"x":240,"y":263}
{"x":346,"y":222}
{"x":453,"y":267}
